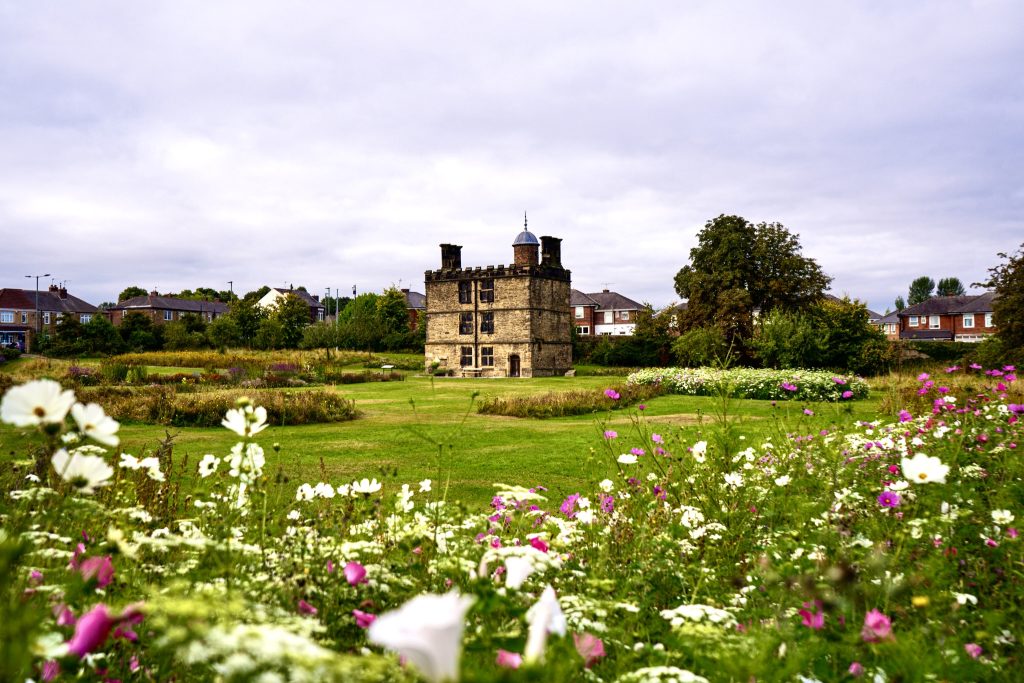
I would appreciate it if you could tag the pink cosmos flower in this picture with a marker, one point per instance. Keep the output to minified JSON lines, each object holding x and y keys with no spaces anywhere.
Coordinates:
{"x":35,"y":577}
{"x":590,"y":648}
{"x":788,"y":387}
{"x":509,"y":660}
{"x":568,"y":506}
{"x":98,"y":569}
{"x":91,"y":631}
{"x":641,"y":407}
{"x":856,"y":669}
{"x":889,"y":499}
{"x":612,"y":394}
{"x":637,"y":451}
{"x":50,"y":669}
{"x":922,"y":377}
{"x":973,"y":649}
{"x":839,"y":380}
{"x":355,"y":573}
{"x":363,"y":619}
{"x":905,"y":416}
{"x":975,"y":366}
{"x":538,"y":543}
{"x":330,"y":567}
{"x":306,"y":608}
{"x":877,"y":627}
{"x":808,"y":411}
{"x":813,"y":620}
{"x":847,"y":394}
{"x":610,"y":434}
{"x":1011,"y":532}
{"x":656,"y":438}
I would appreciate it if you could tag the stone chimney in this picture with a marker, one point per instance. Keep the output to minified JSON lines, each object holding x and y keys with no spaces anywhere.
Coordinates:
{"x":551,"y":251}
{"x":451,"y":256}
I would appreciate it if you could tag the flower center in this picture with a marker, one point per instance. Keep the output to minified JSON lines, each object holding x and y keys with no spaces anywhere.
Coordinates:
{"x":39,"y":411}
{"x":922,"y":476}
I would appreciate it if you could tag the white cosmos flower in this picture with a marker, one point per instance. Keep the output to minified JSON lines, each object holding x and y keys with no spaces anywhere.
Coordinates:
{"x":152,"y":467}
{"x":699,"y":450}
{"x":129,"y":462}
{"x":425,"y":486}
{"x":924,"y":469}
{"x":208,"y":465}
{"x":246,"y":421}
{"x":366,"y":486}
{"x":606,"y":485}
{"x":34,"y":403}
{"x":344,"y":490}
{"x":305,"y":492}
{"x":544,"y":617}
{"x":783,"y":480}
{"x":96,"y":424}
{"x":627,"y":459}
{"x":1002,"y":517}
{"x":517,"y":569}
{"x":734,"y":479}
{"x":84,"y":472}
{"x":427,"y":631}
{"x":324,"y":490}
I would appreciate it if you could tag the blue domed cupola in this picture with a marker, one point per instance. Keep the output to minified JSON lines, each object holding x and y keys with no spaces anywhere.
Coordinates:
{"x":526,"y":246}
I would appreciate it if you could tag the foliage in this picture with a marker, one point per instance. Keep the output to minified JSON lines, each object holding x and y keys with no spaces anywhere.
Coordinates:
{"x":139,"y":333}
{"x":224,"y":332}
{"x":950,"y":286}
{"x":784,"y":340}
{"x":799,"y":555}
{"x":565,"y":403}
{"x":1007,"y":279}
{"x":899,"y":304}
{"x":269,"y":334}
{"x":131,"y":292}
{"x":701,"y":346}
{"x":920,"y":290}
{"x":189,"y":332}
{"x":738,"y":267}
{"x":774,"y":385}
{"x":73,"y":338}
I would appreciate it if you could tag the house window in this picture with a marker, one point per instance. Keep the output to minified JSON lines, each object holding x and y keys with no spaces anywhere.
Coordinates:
{"x":913,"y":321}
{"x":583,"y":329}
{"x":466,"y":356}
{"x":168,"y":315}
{"x":487,"y":323}
{"x":988,"y":320}
{"x":46,"y":318}
{"x":609,"y":317}
{"x":968,"y":320}
{"x":623,"y":315}
{"x":6,"y":316}
{"x":487,"y":290}
{"x":487,"y":356}
{"x":579,"y":312}
{"x":24,"y":317}
{"x":465,"y":292}
{"x":933,"y":322}
{"x":466,"y":323}
{"x":85,"y":318}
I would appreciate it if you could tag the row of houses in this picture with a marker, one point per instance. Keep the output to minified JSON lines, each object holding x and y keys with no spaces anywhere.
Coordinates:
{"x":19,"y":322}
{"x":965,"y":318}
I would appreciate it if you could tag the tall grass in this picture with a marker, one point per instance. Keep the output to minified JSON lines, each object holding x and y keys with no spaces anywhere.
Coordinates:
{"x":567,"y":403}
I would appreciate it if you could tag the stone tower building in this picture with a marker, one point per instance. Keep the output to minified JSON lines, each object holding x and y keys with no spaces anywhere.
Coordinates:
{"x":501,"y":321}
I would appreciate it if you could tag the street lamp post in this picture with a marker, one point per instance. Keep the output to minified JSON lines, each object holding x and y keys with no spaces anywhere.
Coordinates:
{"x":39,"y":327}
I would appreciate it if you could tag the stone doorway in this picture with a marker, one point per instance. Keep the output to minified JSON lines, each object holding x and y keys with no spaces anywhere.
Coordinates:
{"x":513,"y":366}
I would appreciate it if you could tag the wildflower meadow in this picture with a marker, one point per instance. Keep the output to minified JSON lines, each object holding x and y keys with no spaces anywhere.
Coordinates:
{"x":882,"y":550}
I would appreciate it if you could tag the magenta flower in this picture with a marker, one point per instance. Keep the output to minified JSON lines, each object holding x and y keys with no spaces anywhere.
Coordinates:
{"x":808,"y":411}
{"x":839,"y":380}
{"x":538,"y":543}
{"x":590,"y":648}
{"x":953,"y":368}
{"x":905,"y":416}
{"x":509,"y":660}
{"x":98,"y":569}
{"x":637,"y":451}
{"x":975,"y":366}
{"x":877,"y":627}
{"x":612,"y":394}
{"x":355,"y":573}
{"x":607,"y":504}
{"x":889,"y":499}
{"x":656,"y":438}
{"x":813,"y":620}
{"x":568,"y":506}
{"x":91,"y":631}
{"x":306,"y":608}
{"x":330,"y":567}
{"x":363,"y":619}
{"x":610,"y":434}
{"x":847,"y":394}
{"x":641,"y":407}
{"x":788,"y":387}
{"x":50,"y":669}
{"x":973,"y":649}
{"x":856,"y":669}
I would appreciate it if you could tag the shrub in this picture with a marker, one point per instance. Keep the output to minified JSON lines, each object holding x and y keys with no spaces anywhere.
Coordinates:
{"x":114,"y":372}
{"x":775,"y":385}
{"x":83,"y":376}
{"x":567,"y":403}
{"x":700,"y":346}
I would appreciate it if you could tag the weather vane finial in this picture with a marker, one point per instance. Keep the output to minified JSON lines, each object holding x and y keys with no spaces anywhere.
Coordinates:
{"x":524,"y":222}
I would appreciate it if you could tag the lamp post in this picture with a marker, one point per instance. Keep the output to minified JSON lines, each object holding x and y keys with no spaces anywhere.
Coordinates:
{"x":39,"y":327}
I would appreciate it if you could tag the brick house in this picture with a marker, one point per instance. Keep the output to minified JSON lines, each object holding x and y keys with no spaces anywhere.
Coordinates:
{"x":501,"y":321}
{"x":317,"y":310}
{"x":949,"y":318}
{"x":889,"y":324}
{"x":416,"y":304}
{"x":18,"y":322}
{"x":603,"y":312}
{"x":165,"y":309}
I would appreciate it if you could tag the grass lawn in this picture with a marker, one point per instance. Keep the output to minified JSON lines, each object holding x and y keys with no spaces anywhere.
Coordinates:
{"x":423,"y":428}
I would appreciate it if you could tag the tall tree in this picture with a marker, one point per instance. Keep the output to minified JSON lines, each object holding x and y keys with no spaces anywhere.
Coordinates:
{"x":1007,"y":279}
{"x":293,"y":314}
{"x":920,"y":290}
{"x":738,"y":266}
{"x":900,"y":304}
{"x":950,"y":286}
{"x":130,"y":292}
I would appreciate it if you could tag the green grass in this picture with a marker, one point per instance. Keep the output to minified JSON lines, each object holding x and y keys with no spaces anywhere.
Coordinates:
{"x":424,"y":428}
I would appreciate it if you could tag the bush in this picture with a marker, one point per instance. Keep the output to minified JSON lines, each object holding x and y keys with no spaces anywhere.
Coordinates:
{"x":567,"y":403}
{"x":774,"y":385}
{"x":7,"y":353}
{"x":701,"y":346}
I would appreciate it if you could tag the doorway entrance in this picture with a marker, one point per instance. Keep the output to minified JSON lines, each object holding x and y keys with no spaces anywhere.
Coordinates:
{"x":513,"y":366}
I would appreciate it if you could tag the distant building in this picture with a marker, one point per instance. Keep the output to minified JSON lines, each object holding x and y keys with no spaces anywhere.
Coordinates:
{"x":416,"y":304}
{"x":18,"y":322}
{"x":165,"y":309}
{"x":604,"y":312}
{"x":949,"y":318}
{"x":317,"y":310}
{"x":501,"y":321}
{"x":890,"y":325}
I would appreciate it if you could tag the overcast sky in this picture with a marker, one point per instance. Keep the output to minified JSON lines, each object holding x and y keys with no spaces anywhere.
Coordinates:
{"x":180,"y":144}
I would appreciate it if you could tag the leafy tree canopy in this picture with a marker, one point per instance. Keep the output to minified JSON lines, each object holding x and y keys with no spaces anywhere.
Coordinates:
{"x":950,"y":286}
{"x":900,"y":304}
{"x":1007,"y":279}
{"x":920,"y":290}
{"x":130,"y":292}
{"x":738,"y":266}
